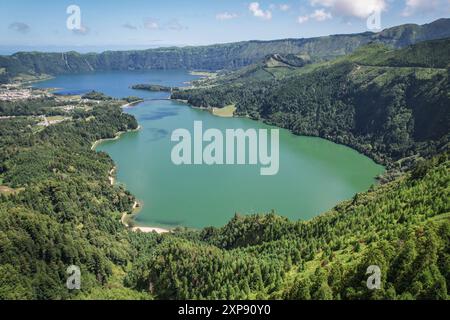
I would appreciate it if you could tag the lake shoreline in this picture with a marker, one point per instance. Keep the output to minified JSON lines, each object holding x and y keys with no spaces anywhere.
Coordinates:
{"x":148,"y":226}
{"x":117,"y":136}
{"x":145,"y":229}
{"x":137,"y":205}
{"x":186,"y":103}
{"x":132,"y":104}
{"x":385,"y":163}
{"x":215,"y":111}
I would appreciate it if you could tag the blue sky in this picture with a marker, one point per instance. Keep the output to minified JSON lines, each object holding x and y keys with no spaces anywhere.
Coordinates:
{"x":149,"y":23}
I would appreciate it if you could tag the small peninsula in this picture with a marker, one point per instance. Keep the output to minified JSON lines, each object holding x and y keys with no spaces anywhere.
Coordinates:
{"x":153,"y":87}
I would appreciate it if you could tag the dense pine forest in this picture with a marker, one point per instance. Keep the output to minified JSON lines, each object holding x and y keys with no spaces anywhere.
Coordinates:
{"x":58,"y":207}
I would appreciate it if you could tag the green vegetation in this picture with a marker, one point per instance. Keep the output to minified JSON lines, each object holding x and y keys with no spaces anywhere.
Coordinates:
{"x":403,"y":227}
{"x":132,"y":99}
{"x":56,"y":118}
{"x":428,"y":54}
{"x":94,"y":95}
{"x":25,"y":108}
{"x":58,"y":208}
{"x":98,"y":96}
{"x":67,"y":213}
{"x":152,"y":87}
{"x":386,"y":111}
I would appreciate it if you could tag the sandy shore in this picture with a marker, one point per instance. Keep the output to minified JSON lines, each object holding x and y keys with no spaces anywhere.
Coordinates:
{"x":150,"y":230}
{"x":225,"y":112}
{"x":113,"y":181}
{"x":131,"y":104}
{"x":141,"y":229}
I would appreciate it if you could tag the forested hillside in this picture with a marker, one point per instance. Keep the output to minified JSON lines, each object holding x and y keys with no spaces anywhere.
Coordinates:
{"x":213,"y":57}
{"x":388,"y":104}
{"x":57,"y":208}
{"x":402,"y":227}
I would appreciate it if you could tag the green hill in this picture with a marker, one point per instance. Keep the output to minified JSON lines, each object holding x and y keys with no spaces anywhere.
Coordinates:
{"x":389,"y":104}
{"x":58,"y":207}
{"x":402,"y":227}
{"x":214,"y":57}
{"x":64,"y":211}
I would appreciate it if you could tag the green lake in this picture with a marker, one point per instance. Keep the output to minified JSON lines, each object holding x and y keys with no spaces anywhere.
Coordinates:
{"x":314,"y":174}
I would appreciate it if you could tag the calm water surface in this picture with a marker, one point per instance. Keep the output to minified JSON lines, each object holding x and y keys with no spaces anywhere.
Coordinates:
{"x":314,"y":175}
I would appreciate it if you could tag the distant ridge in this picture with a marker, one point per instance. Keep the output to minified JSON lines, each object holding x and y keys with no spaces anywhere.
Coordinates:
{"x":214,"y":57}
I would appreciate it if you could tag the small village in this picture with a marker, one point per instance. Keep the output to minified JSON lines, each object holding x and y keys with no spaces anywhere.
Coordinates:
{"x":15,"y":92}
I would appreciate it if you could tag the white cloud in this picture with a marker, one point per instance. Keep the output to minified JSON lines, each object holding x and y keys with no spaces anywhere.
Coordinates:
{"x":413,"y":6}
{"x":226,"y":16}
{"x":155,"y":24}
{"x":352,"y":8}
{"x":255,"y":8}
{"x":318,"y":15}
{"x":321,"y":15}
{"x":281,"y":6}
{"x":302,"y":19}
{"x":151,"y":24}
{"x":284,"y":7}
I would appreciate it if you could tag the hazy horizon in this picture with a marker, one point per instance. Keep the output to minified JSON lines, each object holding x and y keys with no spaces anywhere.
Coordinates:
{"x":139,"y":24}
{"x":11,"y":49}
